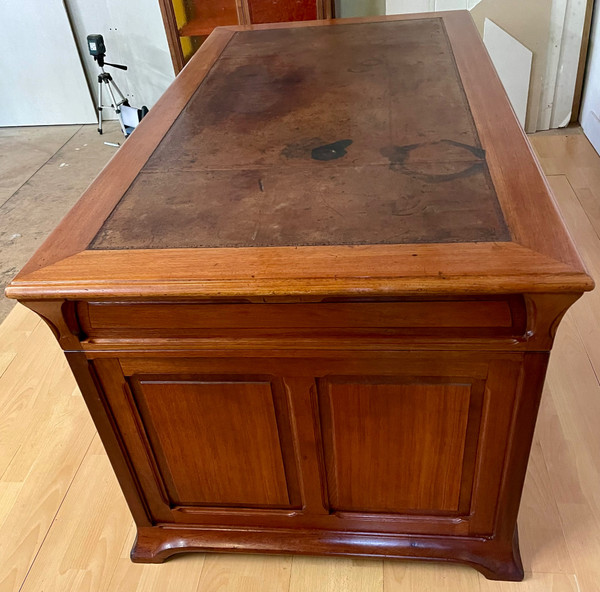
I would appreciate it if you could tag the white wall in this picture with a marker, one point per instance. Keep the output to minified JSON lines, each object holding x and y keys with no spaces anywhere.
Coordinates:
{"x":512,"y":61}
{"x":134,"y":35}
{"x":408,"y":6}
{"x":43,"y":82}
{"x":590,"y":109}
{"x":566,"y":32}
{"x":550,"y":29}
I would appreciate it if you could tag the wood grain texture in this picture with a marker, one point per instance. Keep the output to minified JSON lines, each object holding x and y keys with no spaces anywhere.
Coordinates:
{"x":168,"y":16}
{"x":466,"y":314}
{"x":350,"y":575}
{"x":542,"y":254}
{"x":559,"y":530}
{"x":394,"y":447}
{"x":269,"y":272}
{"x":108,"y":526}
{"x":508,"y":149}
{"x":217,"y":443}
{"x":184,"y":575}
{"x":305,"y":436}
{"x":268,"y":11}
{"x":370,"y":400}
{"x":227,"y":572}
{"x":40,"y":452}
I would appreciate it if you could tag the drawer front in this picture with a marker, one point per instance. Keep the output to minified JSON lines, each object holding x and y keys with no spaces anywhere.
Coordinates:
{"x":502,"y":316}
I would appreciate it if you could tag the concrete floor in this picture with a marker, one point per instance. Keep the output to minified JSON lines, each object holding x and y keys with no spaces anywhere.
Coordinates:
{"x":43,"y":172}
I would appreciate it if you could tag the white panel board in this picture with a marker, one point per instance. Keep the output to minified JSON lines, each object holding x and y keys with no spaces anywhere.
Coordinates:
{"x":590,"y":108}
{"x":408,"y":6}
{"x":512,"y":61}
{"x":557,"y":24}
{"x":451,"y":5}
{"x":570,"y":48}
{"x":43,"y":82}
{"x":134,"y":35}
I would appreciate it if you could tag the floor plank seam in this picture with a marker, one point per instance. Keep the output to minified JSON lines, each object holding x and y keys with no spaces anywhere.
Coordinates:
{"x":560,"y":517}
{"x":3,"y":297}
{"x":289,"y":586}
{"x":3,"y":372}
{"x":55,"y":515}
{"x":125,"y":542}
{"x":587,"y":353}
{"x":114,"y":572}
{"x":9,"y":463}
{"x":529,"y":570}
{"x":582,"y":206}
{"x":40,"y":167}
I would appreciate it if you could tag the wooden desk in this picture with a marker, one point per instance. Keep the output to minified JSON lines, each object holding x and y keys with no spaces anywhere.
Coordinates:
{"x":310,"y":302}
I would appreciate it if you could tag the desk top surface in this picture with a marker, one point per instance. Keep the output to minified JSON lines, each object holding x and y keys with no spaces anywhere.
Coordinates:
{"x":318,"y":136}
{"x":333,"y":158}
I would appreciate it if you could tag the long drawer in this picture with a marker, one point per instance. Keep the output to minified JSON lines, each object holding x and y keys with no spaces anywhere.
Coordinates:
{"x":501,"y":316}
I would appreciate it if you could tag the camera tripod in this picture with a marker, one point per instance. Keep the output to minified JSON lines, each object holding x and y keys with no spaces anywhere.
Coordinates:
{"x":132,"y":116}
{"x":104,"y":78}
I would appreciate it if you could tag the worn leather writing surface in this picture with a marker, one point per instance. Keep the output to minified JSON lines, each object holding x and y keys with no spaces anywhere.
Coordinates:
{"x":353,"y":134}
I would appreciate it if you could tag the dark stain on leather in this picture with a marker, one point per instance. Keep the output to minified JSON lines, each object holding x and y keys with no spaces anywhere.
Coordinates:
{"x":331,"y":151}
{"x":436,"y":162}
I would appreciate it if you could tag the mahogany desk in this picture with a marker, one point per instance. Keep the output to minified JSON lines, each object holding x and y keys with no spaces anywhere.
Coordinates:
{"x":310,"y":302}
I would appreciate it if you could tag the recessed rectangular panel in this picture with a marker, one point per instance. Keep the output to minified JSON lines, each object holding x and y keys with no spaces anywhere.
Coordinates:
{"x":394,"y":447}
{"x":215,"y":443}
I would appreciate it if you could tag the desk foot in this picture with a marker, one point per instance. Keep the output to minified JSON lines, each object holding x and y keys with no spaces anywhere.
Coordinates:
{"x":505,"y":564}
{"x":496,"y":560}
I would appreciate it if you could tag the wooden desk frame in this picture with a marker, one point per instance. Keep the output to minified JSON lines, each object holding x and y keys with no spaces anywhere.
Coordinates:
{"x":469,"y":325}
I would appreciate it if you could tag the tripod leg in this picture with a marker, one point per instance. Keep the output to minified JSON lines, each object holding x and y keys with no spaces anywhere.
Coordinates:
{"x":116,"y":107}
{"x":99,"y":106}
{"x":123,"y":100}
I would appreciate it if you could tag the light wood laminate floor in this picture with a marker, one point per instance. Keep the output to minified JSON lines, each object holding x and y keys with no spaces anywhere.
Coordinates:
{"x":64,"y":525}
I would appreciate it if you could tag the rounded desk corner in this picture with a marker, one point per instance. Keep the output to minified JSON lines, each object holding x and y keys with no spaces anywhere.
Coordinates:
{"x":505,"y":564}
{"x":151,"y":547}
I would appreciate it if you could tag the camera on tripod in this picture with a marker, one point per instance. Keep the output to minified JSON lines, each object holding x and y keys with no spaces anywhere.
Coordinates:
{"x":128,"y":116}
{"x":96,"y":45}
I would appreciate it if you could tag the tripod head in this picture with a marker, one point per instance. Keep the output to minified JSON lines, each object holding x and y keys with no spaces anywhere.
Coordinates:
{"x":97,"y":50}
